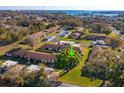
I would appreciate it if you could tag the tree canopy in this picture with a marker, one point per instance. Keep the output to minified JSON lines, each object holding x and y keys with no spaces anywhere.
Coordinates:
{"x":107,"y":66}
{"x":67,"y":59}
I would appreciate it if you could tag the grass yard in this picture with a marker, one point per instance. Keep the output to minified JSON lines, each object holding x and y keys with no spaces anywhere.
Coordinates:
{"x":73,"y":40}
{"x":60,"y":72}
{"x":53,"y":34}
{"x":24,"y":46}
{"x":73,"y":76}
{"x":6,"y":48}
{"x":113,"y":35}
{"x":1,"y":62}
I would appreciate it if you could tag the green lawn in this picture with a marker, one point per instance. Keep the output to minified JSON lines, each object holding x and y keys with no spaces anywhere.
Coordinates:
{"x":60,"y":72}
{"x":6,"y":48}
{"x":73,"y":40}
{"x":1,"y":63}
{"x":73,"y":76}
{"x":113,"y":35}
{"x":53,"y":34}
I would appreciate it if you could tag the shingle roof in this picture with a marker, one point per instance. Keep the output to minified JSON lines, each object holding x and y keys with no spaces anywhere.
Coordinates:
{"x":58,"y":47}
{"x":37,"y":35}
{"x":52,"y":46}
{"x":47,"y":57}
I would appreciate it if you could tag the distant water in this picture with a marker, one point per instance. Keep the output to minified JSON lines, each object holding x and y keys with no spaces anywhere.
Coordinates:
{"x":70,"y":12}
{"x":105,"y":14}
{"x":77,"y":12}
{"x":83,"y":12}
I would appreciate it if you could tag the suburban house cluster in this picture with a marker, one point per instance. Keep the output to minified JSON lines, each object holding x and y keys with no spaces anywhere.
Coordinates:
{"x":34,"y":56}
{"x":59,"y":47}
{"x":94,"y":37}
{"x":14,"y":67}
{"x":47,"y":52}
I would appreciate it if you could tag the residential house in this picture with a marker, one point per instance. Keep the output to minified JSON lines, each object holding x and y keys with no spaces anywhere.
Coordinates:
{"x":17,"y":69}
{"x":59,"y":47}
{"x":76,"y":34}
{"x":50,"y":47}
{"x":9,"y":63}
{"x":94,"y":37}
{"x":32,"y":56}
{"x":33,"y":68}
{"x":51,"y":74}
{"x":98,"y":42}
{"x":38,"y":35}
{"x":66,"y":42}
{"x":64,"y":46}
{"x":64,"y":33}
{"x":51,"y":29}
{"x":49,"y":38}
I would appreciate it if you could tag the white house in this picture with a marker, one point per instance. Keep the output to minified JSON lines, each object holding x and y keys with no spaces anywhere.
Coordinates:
{"x":64,"y":33}
{"x":33,"y":68}
{"x":66,"y":42}
{"x":98,"y":42}
{"x":9,"y":63}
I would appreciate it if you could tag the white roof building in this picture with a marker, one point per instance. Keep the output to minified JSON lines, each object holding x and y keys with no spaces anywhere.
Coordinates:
{"x":33,"y":68}
{"x":49,"y":38}
{"x":76,"y":45}
{"x":52,"y":74}
{"x":98,"y":42}
{"x":66,"y":42}
{"x":47,"y":70}
{"x":9,"y":63}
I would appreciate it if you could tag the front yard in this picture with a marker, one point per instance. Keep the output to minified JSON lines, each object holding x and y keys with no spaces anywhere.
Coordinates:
{"x":73,"y":76}
{"x":6,"y":48}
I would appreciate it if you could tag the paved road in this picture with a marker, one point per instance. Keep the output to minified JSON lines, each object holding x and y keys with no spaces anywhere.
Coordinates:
{"x":117,"y":33}
{"x":67,"y":85}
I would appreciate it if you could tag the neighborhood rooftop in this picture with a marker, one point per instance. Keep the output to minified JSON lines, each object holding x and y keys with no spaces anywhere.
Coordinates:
{"x":37,"y":56}
{"x":58,"y":47}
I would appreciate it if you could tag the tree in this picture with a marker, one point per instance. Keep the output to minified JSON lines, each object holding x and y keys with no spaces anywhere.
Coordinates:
{"x":114,"y":42}
{"x":67,"y":59}
{"x":2,"y":30}
{"x":31,"y":41}
{"x":106,"y":29}
{"x":38,"y":26}
{"x":101,"y":28}
{"x":107,"y":66}
{"x":96,"y":27}
{"x":24,"y":78}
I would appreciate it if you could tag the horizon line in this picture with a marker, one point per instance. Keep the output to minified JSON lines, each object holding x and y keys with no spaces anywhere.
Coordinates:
{"x":53,"y":8}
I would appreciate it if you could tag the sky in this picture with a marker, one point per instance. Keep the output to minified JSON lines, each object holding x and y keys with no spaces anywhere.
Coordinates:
{"x":63,"y":4}
{"x":52,"y":8}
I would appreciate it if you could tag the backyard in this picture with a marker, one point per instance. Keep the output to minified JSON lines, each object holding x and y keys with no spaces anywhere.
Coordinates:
{"x":73,"y":76}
